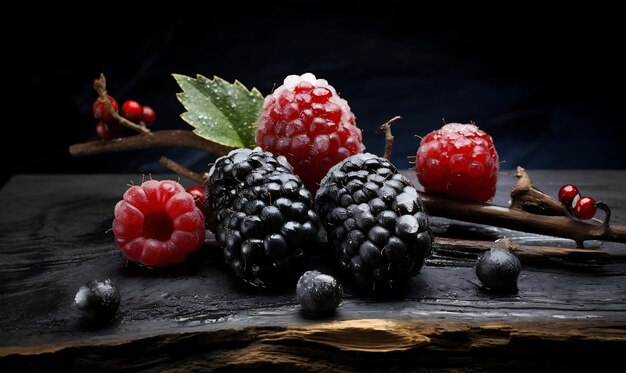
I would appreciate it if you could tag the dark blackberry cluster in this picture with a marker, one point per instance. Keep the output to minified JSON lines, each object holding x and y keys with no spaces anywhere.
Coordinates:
{"x":263,"y":216}
{"x":375,"y":221}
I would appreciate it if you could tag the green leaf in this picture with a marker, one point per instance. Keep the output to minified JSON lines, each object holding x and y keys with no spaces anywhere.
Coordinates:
{"x":219,"y":111}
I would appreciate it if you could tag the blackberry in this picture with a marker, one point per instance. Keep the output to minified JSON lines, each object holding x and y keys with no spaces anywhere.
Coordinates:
{"x":375,"y":221}
{"x":262,"y":216}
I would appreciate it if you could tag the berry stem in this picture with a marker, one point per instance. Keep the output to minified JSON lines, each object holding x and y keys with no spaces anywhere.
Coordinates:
{"x":388,"y":135}
{"x":165,"y":138}
{"x":100,"y":86}
{"x":182,"y":170}
{"x":524,"y":196}
{"x":607,"y":212}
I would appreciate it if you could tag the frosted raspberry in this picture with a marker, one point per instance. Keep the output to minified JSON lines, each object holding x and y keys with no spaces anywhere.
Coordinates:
{"x":306,"y":121}
{"x":459,"y":160}
{"x":158,"y":223}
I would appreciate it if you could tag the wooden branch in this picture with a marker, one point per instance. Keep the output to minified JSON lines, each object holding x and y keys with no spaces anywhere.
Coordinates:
{"x":181,"y":170}
{"x":100,"y":86}
{"x":166,"y":138}
{"x":526,"y":253}
{"x":525,"y":196}
{"x":516,"y":219}
{"x":460,"y":248}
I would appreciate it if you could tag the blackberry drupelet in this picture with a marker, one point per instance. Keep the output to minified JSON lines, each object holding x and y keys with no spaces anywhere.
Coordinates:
{"x":262,"y":216}
{"x":375,"y":221}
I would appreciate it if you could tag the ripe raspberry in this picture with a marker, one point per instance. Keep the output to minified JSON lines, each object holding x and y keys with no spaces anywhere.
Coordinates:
{"x":459,"y":160}
{"x":264,"y":217}
{"x":306,"y":121}
{"x":375,"y":221}
{"x":101,"y":112}
{"x":158,"y":223}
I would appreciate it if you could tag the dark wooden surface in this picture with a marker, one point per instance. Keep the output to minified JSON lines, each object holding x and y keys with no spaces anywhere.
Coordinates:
{"x":53,"y":238}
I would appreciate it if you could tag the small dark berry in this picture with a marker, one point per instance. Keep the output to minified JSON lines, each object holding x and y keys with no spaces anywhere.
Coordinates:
{"x":318,"y":294}
{"x":498,"y":270}
{"x":98,"y":301}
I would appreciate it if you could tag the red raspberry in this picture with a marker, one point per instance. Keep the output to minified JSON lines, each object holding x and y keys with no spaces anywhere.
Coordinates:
{"x":306,"y":121}
{"x":101,"y":112}
{"x":132,"y":111}
{"x":158,"y":223}
{"x":459,"y":160}
{"x":149,"y":116}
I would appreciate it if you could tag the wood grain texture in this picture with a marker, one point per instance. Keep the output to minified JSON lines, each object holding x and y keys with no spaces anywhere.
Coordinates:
{"x":53,"y":238}
{"x":354,"y":345}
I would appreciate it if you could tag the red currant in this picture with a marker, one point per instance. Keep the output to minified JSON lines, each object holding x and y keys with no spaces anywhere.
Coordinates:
{"x":103,"y":130}
{"x":108,"y":131}
{"x":567,"y":194}
{"x":197,"y":192}
{"x":148,"y":115}
{"x":132,"y":111}
{"x":585,"y":208}
{"x":100,"y":111}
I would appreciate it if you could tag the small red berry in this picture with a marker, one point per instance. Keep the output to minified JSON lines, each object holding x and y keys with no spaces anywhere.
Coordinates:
{"x":132,"y":111}
{"x":100,"y":111}
{"x":197,"y":192}
{"x":108,"y":131}
{"x":567,"y":194}
{"x":585,"y":208}
{"x":103,"y":130}
{"x":158,"y":223}
{"x":148,"y":115}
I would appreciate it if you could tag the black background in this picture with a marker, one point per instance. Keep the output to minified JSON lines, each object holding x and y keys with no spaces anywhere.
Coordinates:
{"x":547,"y":85}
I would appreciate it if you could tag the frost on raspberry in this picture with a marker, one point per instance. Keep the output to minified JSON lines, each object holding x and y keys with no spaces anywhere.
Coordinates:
{"x":158,"y":223}
{"x":458,"y":160}
{"x":306,"y":121}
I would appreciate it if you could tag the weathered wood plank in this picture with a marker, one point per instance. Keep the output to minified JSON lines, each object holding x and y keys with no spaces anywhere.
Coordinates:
{"x":52,"y":242}
{"x":354,"y":345}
